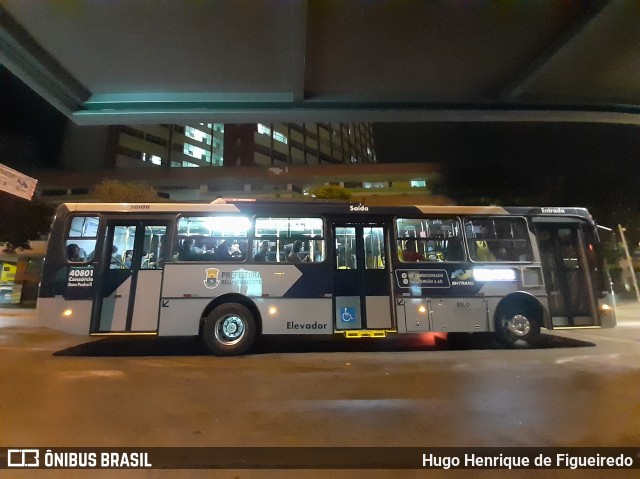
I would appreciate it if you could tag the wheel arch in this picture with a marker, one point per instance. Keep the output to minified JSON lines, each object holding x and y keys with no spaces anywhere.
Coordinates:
{"x":232,"y":298}
{"x":531,"y":304}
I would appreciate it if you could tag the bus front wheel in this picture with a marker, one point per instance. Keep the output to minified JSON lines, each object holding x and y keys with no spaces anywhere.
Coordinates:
{"x":229,"y":330}
{"x":514,"y":325}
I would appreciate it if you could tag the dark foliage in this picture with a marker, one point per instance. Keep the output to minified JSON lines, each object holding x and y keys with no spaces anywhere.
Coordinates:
{"x":22,"y":220}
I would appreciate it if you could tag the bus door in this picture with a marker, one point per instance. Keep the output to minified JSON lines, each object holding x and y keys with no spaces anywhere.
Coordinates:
{"x":127,"y":298}
{"x":564,"y":251}
{"x":361,"y":281}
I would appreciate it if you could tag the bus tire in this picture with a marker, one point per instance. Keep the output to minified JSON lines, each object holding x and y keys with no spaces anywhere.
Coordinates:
{"x":517,"y":324}
{"x":229,"y":330}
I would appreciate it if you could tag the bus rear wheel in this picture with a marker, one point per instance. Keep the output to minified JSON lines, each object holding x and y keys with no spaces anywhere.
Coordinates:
{"x":514,"y":325}
{"x":229,"y":330}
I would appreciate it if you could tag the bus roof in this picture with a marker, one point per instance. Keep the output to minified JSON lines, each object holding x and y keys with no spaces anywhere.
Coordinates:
{"x":320,"y":207}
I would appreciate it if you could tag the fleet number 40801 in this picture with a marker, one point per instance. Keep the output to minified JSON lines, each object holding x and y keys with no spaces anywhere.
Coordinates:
{"x":81,"y":273}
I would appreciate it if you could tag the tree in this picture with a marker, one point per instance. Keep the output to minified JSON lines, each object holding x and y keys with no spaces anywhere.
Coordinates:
{"x":22,"y":221}
{"x":437,"y":184}
{"x":331,"y":192}
{"x":113,"y":191}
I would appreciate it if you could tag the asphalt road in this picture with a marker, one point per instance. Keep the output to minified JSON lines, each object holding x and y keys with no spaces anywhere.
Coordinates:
{"x":579,"y":388}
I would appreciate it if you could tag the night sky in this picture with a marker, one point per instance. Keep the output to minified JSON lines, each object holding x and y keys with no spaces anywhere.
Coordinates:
{"x":562,"y":164}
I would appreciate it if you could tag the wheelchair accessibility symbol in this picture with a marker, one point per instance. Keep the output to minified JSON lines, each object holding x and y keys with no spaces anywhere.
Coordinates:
{"x":348,"y":315}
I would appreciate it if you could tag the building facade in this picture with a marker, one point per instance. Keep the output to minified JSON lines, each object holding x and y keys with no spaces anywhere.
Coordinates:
{"x":214,"y":144}
{"x":204,"y":161}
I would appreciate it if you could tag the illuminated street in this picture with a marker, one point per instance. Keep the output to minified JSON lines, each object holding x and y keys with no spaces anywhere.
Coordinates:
{"x":578,"y":389}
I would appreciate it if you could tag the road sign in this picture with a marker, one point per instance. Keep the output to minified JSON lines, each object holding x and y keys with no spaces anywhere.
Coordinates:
{"x":16,"y":183}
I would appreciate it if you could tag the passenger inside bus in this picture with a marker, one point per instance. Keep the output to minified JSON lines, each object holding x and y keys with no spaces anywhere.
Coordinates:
{"x":346,"y":258}
{"x":236,"y":251}
{"x":230,"y":251}
{"x":261,"y":255}
{"x":73,"y":253}
{"x":409,"y":253}
{"x":209,"y":249}
{"x":483,"y":253}
{"x":128,"y":257}
{"x":296,"y":255}
{"x":116,"y":259}
{"x":500,"y":252}
{"x":189,"y":251}
{"x":149,"y":261}
{"x":454,"y":250}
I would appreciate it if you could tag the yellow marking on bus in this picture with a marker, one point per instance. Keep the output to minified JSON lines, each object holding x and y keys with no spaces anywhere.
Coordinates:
{"x":125,"y":333}
{"x":368,"y":333}
{"x":577,"y":327}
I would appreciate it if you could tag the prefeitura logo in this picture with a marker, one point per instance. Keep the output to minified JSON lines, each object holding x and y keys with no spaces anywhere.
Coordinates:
{"x":211,"y":279}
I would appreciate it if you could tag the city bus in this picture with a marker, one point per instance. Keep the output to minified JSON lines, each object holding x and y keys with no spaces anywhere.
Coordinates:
{"x":232,"y":271}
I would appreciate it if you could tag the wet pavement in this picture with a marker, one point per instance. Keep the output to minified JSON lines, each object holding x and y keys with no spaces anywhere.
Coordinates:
{"x":578,"y":388}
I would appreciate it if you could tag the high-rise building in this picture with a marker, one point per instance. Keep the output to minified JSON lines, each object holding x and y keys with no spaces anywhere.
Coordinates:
{"x":203,"y":161}
{"x":215,"y":144}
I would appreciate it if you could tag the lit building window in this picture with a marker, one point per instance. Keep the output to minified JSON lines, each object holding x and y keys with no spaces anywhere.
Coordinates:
{"x":418,"y":183}
{"x":264,"y":130}
{"x":156,"y":160}
{"x":374,"y":184}
{"x":197,"y":135}
{"x":197,"y":152}
{"x":279,"y":137}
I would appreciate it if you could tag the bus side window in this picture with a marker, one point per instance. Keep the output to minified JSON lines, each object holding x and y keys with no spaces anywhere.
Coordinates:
{"x":431,"y":239}
{"x":498,"y":239}
{"x":282,"y":233}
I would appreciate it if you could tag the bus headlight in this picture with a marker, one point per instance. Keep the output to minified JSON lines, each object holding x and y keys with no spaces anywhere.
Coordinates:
{"x":67,"y":313}
{"x":273,"y":310}
{"x":494,"y":274}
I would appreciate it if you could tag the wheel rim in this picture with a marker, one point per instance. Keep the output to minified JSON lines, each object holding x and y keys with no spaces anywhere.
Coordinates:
{"x":519,"y":325}
{"x":230,"y":329}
